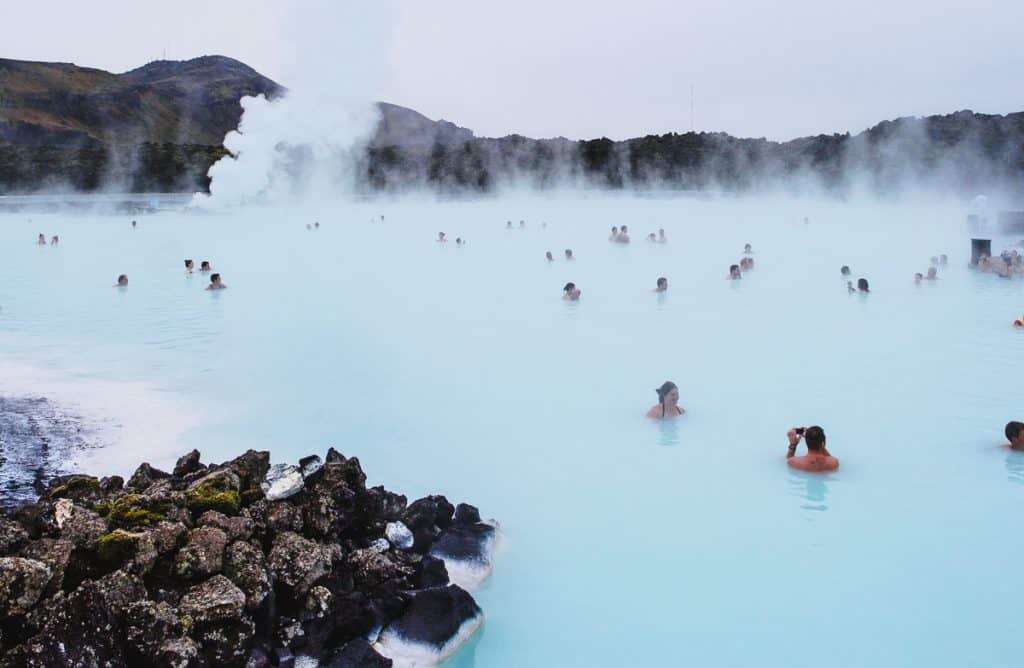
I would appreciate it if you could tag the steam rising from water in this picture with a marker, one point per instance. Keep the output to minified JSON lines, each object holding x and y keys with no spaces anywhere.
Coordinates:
{"x":309,"y":142}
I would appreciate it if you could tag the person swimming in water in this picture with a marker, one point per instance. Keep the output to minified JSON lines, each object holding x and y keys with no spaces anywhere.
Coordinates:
{"x":215,"y":283}
{"x":623,"y":237}
{"x":55,"y":240}
{"x":862,"y":286}
{"x":747,"y":249}
{"x":549,"y":257}
{"x":662,"y":239}
{"x":459,"y":241}
{"x":441,"y":238}
{"x":668,"y":402}
{"x":918,"y":277}
{"x":189,"y":266}
{"x":317,"y":225}
{"x":818,"y":459}
{"x":614,"y":235}
{"x":204,"y":266}
{"x":134,"y":224}
{"x":933,"y":274}
{"x":41,"y":241}
{"x":568,"y":254}
{"x":508,"y":225}
{"x":570,"y":292}
{"x":734,"y":273}
{"x":652,"y":238}
{"x":943,"y":260}
{"x":1015,"y":435}
{"x":122,"y":281}
{"x":844,"y":271}
{"x":522,"y":224}
{"x":662,"y":284}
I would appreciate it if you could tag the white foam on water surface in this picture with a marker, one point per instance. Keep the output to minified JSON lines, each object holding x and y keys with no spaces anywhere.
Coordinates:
{"x":406,"y":654}
{"x":131,"y":421}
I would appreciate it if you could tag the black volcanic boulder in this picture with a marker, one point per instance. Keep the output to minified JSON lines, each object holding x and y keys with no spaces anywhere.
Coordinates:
{"x":148,"y":625}
{"x":145,"y":476}
{"x":426,"y":518}
{"x":236,"y":528}
{"x":55,"y":554}
{"x":356,"y":654}
{"x":430,"y":572}
{"x":433,"y":625}
{"x":246,"y":566}
{"x":22,"y":582}
{"x":215,"y":612}
{"x":203,"y":554}
{"x":85,"y":627}
{"x":188,"y":463}
{"x":250,"y":467}
{"x":12,"y":537}
{"x":298,"y":562}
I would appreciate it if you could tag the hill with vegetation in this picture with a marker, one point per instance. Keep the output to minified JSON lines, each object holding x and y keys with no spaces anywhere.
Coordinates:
{"x":158,"y":128}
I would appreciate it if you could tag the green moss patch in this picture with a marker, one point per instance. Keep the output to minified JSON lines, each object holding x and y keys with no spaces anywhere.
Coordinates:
{"x":133,"y":511}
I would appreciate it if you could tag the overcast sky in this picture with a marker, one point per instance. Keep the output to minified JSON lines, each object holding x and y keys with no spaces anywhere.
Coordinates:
{"x":578,"y":68}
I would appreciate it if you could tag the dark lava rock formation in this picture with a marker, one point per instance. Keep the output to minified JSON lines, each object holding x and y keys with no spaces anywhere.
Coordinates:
{"x":200,"y":568}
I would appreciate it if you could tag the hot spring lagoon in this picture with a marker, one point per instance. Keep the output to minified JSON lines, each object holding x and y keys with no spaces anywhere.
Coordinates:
{"x":460,"y":370}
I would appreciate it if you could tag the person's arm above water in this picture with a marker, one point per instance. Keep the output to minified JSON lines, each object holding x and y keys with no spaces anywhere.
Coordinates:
{"x":794,"y":440}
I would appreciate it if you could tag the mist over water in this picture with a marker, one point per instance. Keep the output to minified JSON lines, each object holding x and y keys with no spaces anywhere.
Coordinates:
{"x":461,"y":371}
{"x":306,"y":145}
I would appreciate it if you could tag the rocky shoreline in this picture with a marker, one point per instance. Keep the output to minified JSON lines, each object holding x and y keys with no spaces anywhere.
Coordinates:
{"x":238,"y":564}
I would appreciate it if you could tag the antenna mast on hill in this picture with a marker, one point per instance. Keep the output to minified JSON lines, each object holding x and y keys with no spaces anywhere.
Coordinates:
{"x":691,"y":107}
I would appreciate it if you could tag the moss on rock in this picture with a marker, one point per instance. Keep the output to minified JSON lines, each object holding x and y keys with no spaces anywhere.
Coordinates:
{"x":75,"y":487}
{"x":218,"y":491}
{"x":117,"y":547}
{"x":135,"y":510}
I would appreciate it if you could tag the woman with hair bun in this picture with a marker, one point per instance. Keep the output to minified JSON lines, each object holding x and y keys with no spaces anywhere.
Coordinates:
{"x":668,"y":402}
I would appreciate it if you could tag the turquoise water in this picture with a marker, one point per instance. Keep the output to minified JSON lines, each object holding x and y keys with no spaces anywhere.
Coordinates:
{"x":461,"y":371}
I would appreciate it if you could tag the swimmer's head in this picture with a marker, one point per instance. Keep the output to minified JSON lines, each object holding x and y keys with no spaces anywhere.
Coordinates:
{"x":205,"y":265}
{"x":668,"y":392}
{"x":623,"y":229}
{"x":943,"y":259}
{"x":440,"y":235}
{"x":862,"y":284}
{"x":734,"y":271}
{"x":651,"y":236}
{"x":814,"y":437}
{"x":932,"y":272}
{"x":189,"y":264}
{"x":122,"y":279}
{"x":918,"y":276}
{"x":568,"y":253}
{"x":569,"y":287}
{"x":549,"y":256}
{"x":215,"y":278}
{"x":1015,"y":432}
{"x":458,"y":241}
{"x":662,"y":283}
{"x":845,"y":271}
{"x":746,"y":247}
{"x":661,"y":232}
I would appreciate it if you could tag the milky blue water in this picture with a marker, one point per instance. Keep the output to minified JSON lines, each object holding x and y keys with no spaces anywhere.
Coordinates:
{"x":461,"y":371}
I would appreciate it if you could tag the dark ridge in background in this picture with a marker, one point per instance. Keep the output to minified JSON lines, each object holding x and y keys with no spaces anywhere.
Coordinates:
{"x":158,"y":128}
